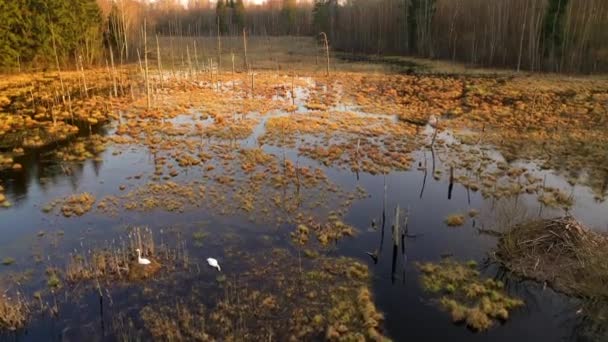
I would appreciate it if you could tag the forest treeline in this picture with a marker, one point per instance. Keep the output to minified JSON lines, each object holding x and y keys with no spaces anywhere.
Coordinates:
{"x":546,"y":35}
{"x":538,"y":35}
{"x":30,"y":29}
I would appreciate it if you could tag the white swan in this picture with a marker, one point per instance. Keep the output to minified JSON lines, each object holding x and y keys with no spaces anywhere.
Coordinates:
{"x":213,"y":263}
{"x":433,"y":121}
{"x":140,"y":260}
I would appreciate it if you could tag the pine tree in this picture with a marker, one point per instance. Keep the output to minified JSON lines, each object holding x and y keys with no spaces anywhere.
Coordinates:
{"x":26,"y":27}
{"x":321,"y":16}
{"x":553,"y":28}
{"x":239,"y":14}
{"x":289,"y":16}
{"x":221,"y":13}
{"x":12,"y":35}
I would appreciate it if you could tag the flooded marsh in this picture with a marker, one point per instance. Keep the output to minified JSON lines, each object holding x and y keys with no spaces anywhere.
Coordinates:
{"x":355,"y":206}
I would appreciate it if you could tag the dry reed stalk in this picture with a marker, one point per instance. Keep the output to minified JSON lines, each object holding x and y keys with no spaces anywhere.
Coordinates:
{"x":146,"y":64}
{"x":113,"y":72}
{"x":196,"y":64}
{"x":160,"y":67}
{"x":84,"y":79}
{"x":246,"y":66}
{"x":57,"y":63}
{"x":189,"y":61}
{"x":219,"y":47}
{"x":326,"y":43}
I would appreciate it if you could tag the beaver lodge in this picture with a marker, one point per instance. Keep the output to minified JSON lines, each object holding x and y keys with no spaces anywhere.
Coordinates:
{"x":560,"y":252}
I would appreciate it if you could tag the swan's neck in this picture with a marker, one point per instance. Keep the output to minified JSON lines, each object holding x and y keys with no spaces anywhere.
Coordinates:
{"x":139,"y":254}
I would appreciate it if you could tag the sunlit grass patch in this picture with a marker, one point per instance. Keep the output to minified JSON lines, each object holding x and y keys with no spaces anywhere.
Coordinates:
{"x":466,"y":295}
{"x":77,"y":205}
{"x":556,"y":198}
{"x":326,"y":233}
{"x":455,"y":220}
{"x":14,"y":312}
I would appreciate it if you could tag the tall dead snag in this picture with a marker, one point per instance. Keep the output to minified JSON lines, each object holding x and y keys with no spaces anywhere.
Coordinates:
{"x":293,"y":98}
{"x":326,"y":43}
{"x":113,"y":72}
{"x":251,"y":83}
{"x":109,"y":73}
{"x":57,"y":63}
{"x":124,"y":30}
{"x":70,"y":108}
{"x":219,"y":47}
{"x":245,"y":50}
{"x":146,"y":64}
{"x":160,"y":67}
{"x":232,"y":56}
{"x":140,"y":65}
{"x":521,"y":38}
{"x":396,"y":228}
{"x":84,"y":79}
{"x":196,"y":64}
{"x":211,"y":69}
{"x":172,"y":56}
{"x":189,"y":60}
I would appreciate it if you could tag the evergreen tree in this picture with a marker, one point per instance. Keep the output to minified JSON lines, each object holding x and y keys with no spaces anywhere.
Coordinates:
{"x":289,"y":16}
{"x":27,"y":29}
{"x":12,"y":32}
{"x":221,"y":13}
{"x":321,"y":16}
{"x":239,"y":14}
{"x":553,"y":23}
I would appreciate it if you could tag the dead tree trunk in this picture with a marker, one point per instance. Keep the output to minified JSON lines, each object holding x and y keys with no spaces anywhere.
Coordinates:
{"x":245,"y":50}
{"x":113,"y":72}
{"x":521,"y":38}
{"x":219,"y":47}
{"x":326,"y":52}
{"x":57,"y":64}
{"x":84,"y":79}
{"x":146,"y":64}
{"x":160,"y":67}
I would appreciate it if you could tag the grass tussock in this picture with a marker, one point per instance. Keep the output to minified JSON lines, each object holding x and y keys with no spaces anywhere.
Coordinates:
{"x":8,"y":261}
{"x":14,"y":313}
{"x":117,"y":262}
{"x":455,"y":220}
{"x":77,"y":204}
{"x":4,"y":202}
{"x":477,"y":302}
{"x":561,"y":252}
{"x":330,"y":232}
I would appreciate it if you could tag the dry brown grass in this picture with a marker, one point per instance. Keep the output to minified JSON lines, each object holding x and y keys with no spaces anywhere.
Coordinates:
{"x":14,"y":313}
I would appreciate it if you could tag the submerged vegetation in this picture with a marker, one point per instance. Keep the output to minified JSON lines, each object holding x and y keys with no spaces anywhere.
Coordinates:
{"x":320,"y":299}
